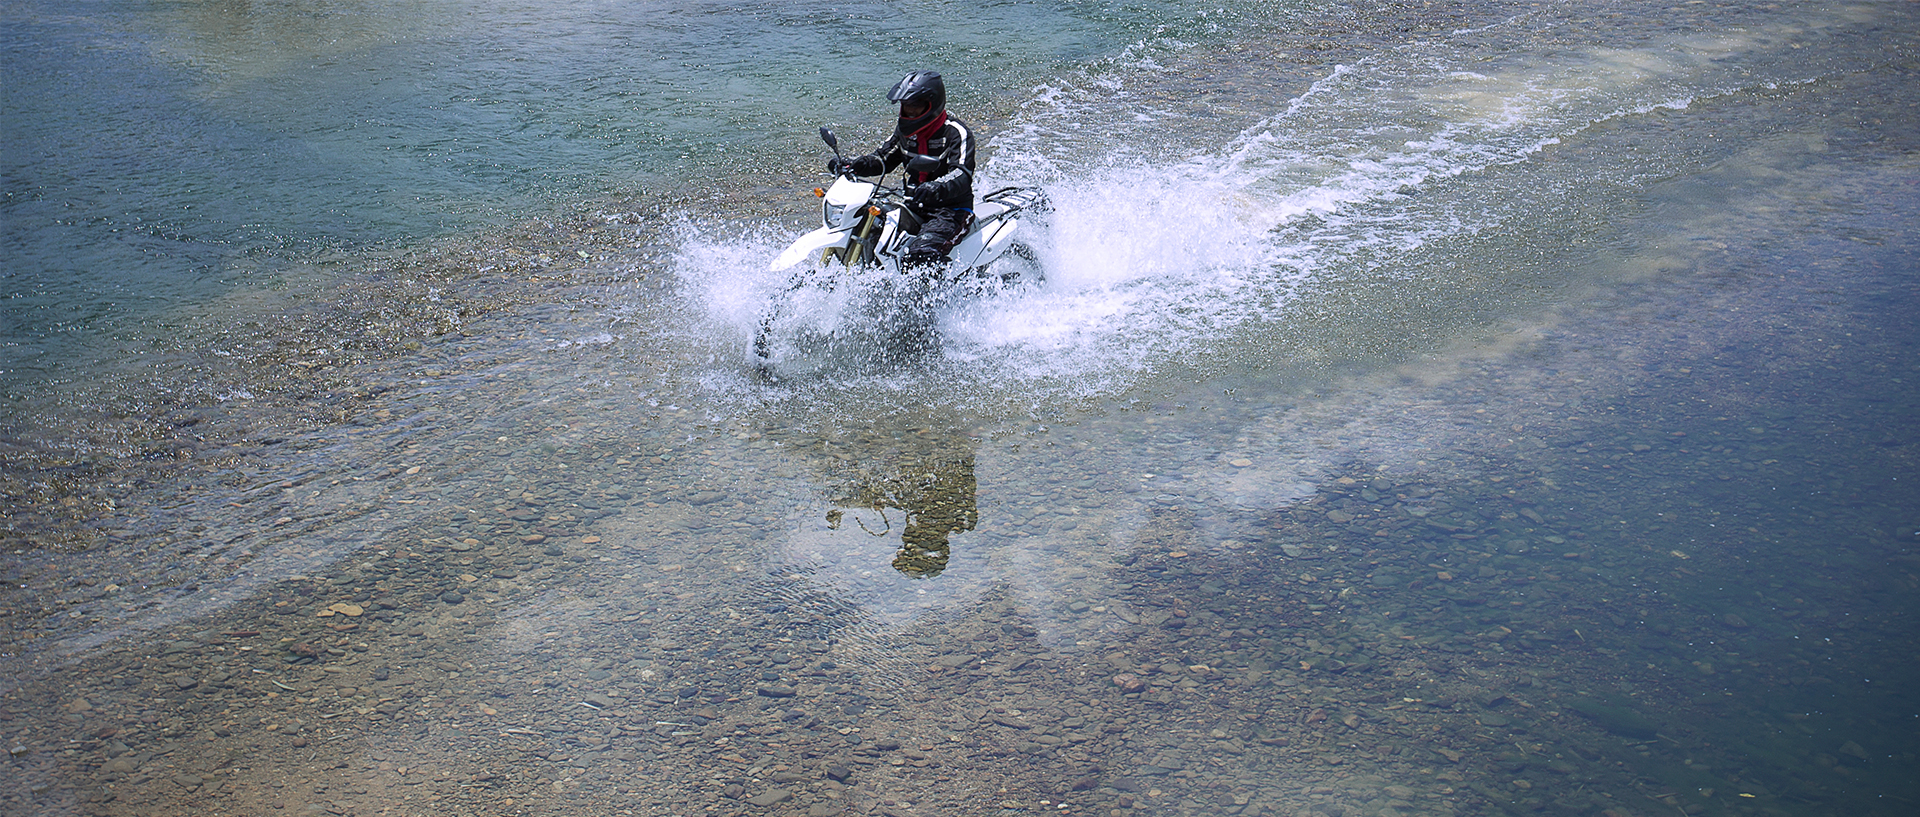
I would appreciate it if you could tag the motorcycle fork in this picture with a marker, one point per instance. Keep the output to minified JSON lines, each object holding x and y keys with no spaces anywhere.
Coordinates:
{"x":850,"y":254}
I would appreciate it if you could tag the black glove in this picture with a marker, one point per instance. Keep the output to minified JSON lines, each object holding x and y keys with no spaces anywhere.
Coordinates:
{"x":924,"y":195}
{"x":868,"y":165}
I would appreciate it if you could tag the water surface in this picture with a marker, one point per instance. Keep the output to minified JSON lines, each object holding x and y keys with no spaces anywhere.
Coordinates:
{"x":1470,"y":411}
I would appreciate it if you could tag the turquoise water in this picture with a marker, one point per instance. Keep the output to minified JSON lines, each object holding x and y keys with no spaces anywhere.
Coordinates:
{"x":1434,"y":410}
{"x":161,"y":155}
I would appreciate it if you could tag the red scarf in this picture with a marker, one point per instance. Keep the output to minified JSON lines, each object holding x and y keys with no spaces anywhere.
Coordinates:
{"x":927,"y":131}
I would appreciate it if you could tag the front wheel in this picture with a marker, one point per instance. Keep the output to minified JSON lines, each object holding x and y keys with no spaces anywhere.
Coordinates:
{"x":798,"y":328}
{"x":763,"y":349}
{"x":762,"y":356}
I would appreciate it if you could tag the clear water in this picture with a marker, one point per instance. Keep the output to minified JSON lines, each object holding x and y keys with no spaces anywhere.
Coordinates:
{"x":1427,"y":410}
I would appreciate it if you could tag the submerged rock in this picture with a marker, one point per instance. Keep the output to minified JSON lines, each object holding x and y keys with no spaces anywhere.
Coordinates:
{"x":1617,"y":719}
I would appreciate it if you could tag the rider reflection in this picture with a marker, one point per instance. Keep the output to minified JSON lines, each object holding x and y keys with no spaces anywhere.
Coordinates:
{"x":924,"y":473}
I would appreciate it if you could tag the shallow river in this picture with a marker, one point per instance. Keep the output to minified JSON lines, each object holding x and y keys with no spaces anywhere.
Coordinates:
{"x":1428,"y":409}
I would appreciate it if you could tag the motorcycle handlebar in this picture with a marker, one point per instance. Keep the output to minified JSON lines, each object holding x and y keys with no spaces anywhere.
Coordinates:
{"x":846,"y":167}
{"x":878,"y":188}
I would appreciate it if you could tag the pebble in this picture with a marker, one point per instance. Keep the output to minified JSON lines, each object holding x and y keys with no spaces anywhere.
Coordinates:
{"x":1255,"y":632}
{"x":771,"y":798}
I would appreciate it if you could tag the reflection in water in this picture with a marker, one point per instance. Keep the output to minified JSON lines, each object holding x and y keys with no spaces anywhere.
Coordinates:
{"x":926,"y":472}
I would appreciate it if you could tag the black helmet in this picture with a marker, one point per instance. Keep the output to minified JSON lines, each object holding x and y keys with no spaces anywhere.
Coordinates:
{"x":920,"y":86}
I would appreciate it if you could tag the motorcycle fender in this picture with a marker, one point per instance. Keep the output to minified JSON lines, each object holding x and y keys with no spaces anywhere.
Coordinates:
{"x":982,"y":245}
{"x":809,"y":244}
{"x":997,"y":243}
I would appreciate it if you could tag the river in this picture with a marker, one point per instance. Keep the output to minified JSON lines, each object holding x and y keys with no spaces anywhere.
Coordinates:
{"x":1416,"y":409}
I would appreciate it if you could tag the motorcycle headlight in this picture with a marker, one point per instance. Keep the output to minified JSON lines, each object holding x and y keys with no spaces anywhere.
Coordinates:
{"x":834,"y":212}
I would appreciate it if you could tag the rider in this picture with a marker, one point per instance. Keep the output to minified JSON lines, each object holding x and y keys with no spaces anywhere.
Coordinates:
{"x":943,"y":200}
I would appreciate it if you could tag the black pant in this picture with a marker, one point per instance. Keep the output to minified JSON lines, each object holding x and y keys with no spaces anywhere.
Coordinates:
{"x":940,"y":229}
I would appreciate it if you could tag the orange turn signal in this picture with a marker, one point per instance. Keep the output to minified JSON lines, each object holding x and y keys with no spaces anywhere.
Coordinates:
{"x":820,"y":192}
{"x":873,"y":211}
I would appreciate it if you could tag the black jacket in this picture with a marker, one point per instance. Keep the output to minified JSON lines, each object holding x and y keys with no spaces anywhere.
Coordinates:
{"x":948,"y":138}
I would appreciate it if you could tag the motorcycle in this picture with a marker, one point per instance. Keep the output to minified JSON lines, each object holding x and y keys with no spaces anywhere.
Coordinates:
{"x":866,"y":227}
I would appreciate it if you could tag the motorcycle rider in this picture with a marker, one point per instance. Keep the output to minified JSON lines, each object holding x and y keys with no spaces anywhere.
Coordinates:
{"x":942,"y":199}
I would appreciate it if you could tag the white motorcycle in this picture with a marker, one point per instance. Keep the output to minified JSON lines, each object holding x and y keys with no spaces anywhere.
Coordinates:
{"x":866,"y":227}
